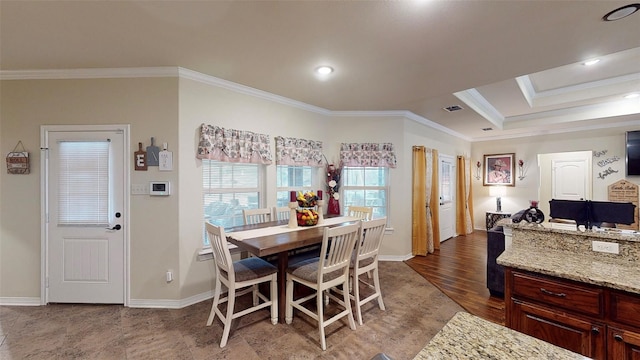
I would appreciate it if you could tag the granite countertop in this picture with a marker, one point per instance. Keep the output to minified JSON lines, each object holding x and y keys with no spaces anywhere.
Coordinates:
{"x":466,"y":336}
{"x":568,"y":254}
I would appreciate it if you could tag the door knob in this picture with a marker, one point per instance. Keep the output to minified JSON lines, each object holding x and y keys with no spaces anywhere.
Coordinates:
{"x":116,"y":227}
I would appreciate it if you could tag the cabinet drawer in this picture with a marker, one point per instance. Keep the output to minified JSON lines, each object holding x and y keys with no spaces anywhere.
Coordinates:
{"x":625,"y":308}
{"x":562,"y":294}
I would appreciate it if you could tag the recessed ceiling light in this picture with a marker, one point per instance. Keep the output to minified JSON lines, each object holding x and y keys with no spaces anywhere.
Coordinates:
{"x":324,"y":70}
{"x":591,"y":62}
{"x":621,"y":12}
{"x":632,"y":96}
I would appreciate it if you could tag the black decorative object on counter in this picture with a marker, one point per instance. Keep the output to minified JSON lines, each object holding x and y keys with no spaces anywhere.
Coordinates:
{"x":531,"y":215}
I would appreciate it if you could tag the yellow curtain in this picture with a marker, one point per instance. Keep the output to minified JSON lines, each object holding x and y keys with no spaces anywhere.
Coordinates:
{"x":464,"y":205}
{"x":418,"y":209}
{"x":425,"y":236}
{"x":434,"y":203}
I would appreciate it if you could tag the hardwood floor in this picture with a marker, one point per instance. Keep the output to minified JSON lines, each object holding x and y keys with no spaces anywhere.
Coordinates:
{"x":459,"y":270}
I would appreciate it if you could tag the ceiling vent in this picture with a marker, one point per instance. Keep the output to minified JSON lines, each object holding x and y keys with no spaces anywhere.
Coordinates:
{"x":453,"y":108}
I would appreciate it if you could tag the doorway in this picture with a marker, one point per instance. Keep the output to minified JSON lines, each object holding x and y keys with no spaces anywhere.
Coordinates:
{"x":447,"y":186}
{"x":85,"y":214}
{"x":565,"y":176}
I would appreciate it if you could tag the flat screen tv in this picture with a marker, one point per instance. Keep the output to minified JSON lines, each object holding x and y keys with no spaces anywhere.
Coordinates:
{"x":633,"y":153}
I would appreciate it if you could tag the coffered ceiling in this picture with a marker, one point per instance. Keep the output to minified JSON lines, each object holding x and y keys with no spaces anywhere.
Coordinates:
{"x":512,"y":66}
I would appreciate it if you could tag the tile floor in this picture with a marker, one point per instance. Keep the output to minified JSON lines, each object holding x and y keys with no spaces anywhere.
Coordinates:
{"x":416,"y":310}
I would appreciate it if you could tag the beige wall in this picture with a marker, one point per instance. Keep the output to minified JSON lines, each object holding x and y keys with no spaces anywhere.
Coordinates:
{"x":166,"y":231}
{"x":527,"y":149}
{"x":151,"y":107}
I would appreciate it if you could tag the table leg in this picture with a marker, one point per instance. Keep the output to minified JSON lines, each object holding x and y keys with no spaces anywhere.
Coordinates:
{"x":283,"y":263}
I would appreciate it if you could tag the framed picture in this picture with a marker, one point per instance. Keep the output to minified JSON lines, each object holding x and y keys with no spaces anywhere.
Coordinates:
{"x":499,"y":170}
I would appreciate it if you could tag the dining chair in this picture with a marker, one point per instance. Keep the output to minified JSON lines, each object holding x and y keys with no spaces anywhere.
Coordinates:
{"x":361,"y":212}
{"x":256,"y":216}
{"x":236,"y":276}
{"x":322,"y":273}
{"x":365,"y":260}
{"x":280,"y":213}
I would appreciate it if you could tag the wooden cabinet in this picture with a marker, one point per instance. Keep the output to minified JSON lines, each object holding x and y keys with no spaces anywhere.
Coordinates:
{"x":623,"y":344}
{"x":594,"y":321}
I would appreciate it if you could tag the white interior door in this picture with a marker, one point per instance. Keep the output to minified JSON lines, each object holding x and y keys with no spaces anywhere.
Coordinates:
{"x":447,"y":178}
{"x":564,"y":176}
{"x":85,"y":207}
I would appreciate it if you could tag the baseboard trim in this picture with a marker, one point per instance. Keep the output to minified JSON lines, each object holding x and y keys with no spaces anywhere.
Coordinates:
{"x":20,"y":301}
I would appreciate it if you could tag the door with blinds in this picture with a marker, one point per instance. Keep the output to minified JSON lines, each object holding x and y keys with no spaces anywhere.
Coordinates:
{"x":84,"y":213}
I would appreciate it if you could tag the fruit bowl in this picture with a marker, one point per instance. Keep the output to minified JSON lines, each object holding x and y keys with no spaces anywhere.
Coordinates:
{"x":307,"y":217}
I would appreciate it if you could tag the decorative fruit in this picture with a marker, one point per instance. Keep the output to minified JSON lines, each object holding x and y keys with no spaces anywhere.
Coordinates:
{"x":306,"y":217}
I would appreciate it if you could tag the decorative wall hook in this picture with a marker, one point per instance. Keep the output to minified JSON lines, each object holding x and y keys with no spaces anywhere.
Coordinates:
{"x":478,"y":167}
{"x":520,"y":169}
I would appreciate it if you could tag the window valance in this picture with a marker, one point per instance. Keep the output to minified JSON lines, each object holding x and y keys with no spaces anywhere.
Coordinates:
{"x":298,"y":152}
{"x":232,"y":145}
{"x":367,"y":154}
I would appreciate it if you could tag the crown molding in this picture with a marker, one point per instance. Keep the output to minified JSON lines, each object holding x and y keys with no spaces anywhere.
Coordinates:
{"x":479,"y":104}
{"x":102,"y":73}
{"x":183,"y":73}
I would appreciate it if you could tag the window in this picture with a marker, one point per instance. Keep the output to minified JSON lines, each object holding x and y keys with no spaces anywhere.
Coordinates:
{"x":366,"y":186}
{"x":227,"y":189}
{"x":289,"y":178}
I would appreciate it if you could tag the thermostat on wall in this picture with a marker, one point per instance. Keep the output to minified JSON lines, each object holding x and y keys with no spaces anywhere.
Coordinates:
{"x":159,"y":188}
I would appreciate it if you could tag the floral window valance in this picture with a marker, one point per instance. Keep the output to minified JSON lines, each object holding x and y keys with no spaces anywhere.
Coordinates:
{"x":298,"y":152}
{"x":367,"y":154}
{"x":231,"y":145}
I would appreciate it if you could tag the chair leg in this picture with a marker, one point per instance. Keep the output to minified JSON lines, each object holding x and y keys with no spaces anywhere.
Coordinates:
{"x":274,"y":299}
{"x":319,"y":304}
{"x":229,"y":318}
{"x":376,"y":282}
{"x":356,"y":296}
{"x":254,"y":293}
{"x":289,"y":308}
{"x":347,"y":305}
{"x":216,"y":299}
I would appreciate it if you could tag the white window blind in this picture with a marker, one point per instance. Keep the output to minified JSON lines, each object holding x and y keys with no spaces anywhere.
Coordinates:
{"x":366,"y":186}
{"x":289,"y":177}
{"x":228,"y":188}
{"x":83,"y":183}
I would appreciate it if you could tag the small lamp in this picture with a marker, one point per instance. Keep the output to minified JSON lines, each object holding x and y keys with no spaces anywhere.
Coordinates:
{"x":498,"y":192}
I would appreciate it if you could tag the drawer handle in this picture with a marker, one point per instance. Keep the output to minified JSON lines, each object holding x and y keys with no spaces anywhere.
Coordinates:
{"x":547,"y":292}
{"x":618,"y":337}
{"x":595,"y":330}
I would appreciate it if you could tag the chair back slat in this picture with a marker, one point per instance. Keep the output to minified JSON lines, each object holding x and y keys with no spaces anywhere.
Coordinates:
{"x":256,"y":216}
{"x":281,"y":213}
{"x":337,"y":246}
{"x":220,"y":249}
{"x":361,"y":212}
{"x":372,"y":234}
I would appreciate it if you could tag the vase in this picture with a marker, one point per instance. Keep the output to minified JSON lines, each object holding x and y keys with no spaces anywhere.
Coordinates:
{"x":334,"y":206}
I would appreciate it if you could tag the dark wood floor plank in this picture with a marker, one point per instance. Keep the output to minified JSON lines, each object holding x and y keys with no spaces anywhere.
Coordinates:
{"x":459,"y":270}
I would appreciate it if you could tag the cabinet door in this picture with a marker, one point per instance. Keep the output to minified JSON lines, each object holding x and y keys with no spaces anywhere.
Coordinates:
{"x":623,"y":344}
{"x":558,"y":328}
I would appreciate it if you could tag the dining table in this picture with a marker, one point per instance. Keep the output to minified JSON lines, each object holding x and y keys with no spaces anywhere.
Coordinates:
{"x":277,"y":238}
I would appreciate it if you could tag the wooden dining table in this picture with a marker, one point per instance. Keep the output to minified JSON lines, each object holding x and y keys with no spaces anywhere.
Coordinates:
{"x":281,"y":244}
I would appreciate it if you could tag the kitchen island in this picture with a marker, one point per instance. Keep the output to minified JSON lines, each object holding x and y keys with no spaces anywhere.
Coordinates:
{"x":466,"y":336}
{"x":557,"y":288}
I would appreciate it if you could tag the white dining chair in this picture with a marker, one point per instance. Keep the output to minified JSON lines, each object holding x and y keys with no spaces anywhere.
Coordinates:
{"x":280,"y":213}
{"x":236,"y":276}
{"x":322,"y":273}
{"x":365,"y":260}
{"x":361,"y":212}
{"x":256,"y":216}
